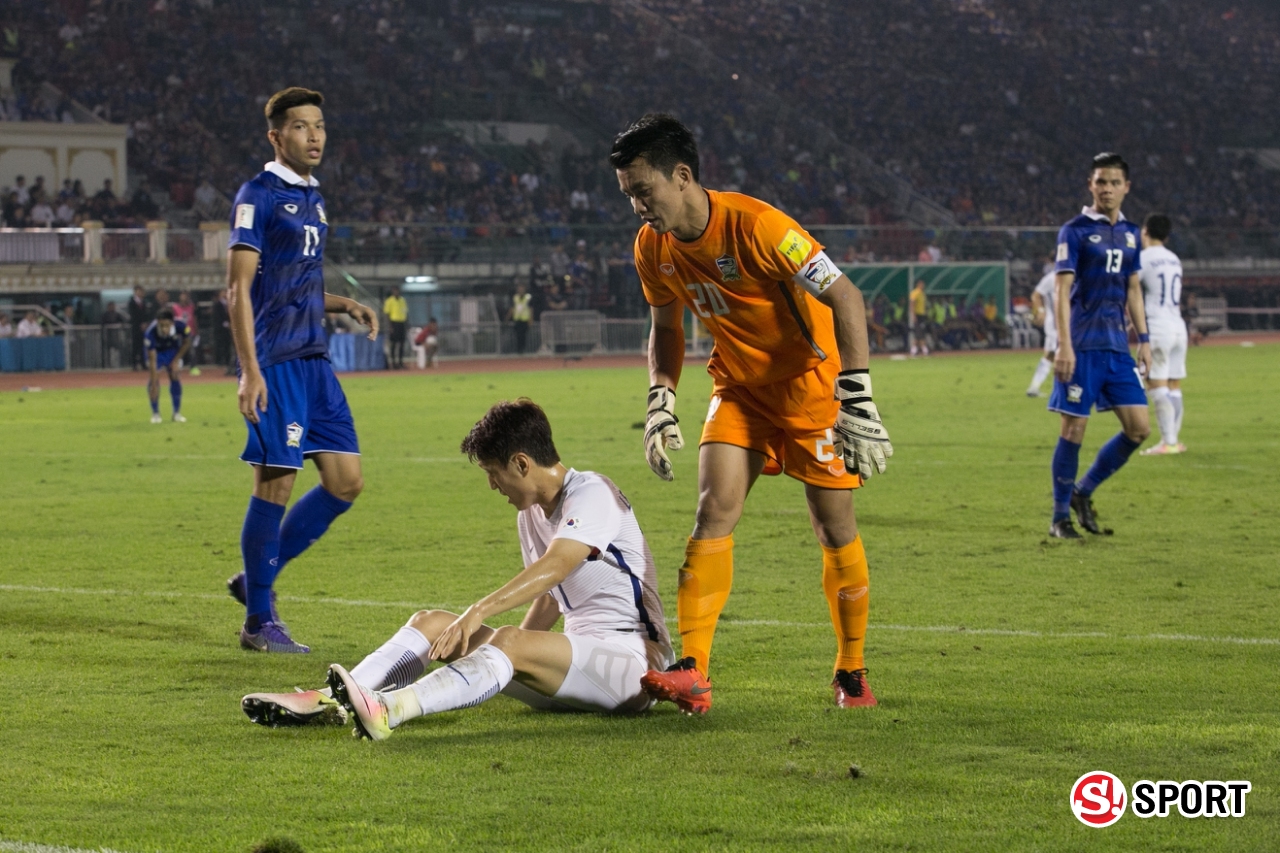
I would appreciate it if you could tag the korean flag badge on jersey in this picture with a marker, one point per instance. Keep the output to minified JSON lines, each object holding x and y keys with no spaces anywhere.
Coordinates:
{"x":573,"y":523}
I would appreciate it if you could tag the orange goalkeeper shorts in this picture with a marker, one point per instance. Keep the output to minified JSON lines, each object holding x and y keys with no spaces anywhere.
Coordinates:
{"x":790,"y":422}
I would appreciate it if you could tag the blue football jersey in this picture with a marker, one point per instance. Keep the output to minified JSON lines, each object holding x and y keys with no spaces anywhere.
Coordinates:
{"x":154,"y":340}
{"x":282,"y":216}
{"x":1102,"y":256}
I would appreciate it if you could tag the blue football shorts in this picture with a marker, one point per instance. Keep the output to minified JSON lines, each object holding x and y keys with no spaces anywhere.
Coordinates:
{"x":306,"y":413}
{"x":1103,"y":378}
{"x":165,"y":357}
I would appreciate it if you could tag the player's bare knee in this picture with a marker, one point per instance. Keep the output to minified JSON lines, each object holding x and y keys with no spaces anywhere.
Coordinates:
{"x":505,"y":638}
{"x":429,"y":623}
{"x":1138,"y":432}
{"x":715,"y":516}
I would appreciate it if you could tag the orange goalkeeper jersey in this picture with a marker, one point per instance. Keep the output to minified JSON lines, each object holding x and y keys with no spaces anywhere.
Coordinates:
{"x":737,"y":277}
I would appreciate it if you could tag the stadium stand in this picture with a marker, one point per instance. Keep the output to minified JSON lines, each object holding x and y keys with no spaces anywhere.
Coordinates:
{"x":1180,"y":87}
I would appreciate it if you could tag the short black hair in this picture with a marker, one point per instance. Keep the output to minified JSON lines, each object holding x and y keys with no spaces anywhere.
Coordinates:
{"x":281,"y":102}
{"x":1158,"y":226}
{"x":164,"y":314}
{"x":1110,"y":160}
{"x":661,"y":140}
{"x":509,"y":428}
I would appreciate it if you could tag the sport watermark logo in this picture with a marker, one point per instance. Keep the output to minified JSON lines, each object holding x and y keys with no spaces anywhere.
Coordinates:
{"x":1191,"y":798}
{"x":1098,"y":799}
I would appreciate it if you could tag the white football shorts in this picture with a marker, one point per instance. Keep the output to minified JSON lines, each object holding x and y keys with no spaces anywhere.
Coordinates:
{"x":604,"y":676}
{"x":1169,"y":354}
{"x":1050,"y":338}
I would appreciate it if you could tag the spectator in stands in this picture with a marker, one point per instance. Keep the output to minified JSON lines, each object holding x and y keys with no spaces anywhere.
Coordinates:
{"x":42,"y":215}
{"x":143,"y":206}
{"x":141,"y":312}
{"x":209,"y":204}
{"x":555,"y":299}
{"x":112,"y":317}
{"x":65,"y":215}
{"x":559,"y":262}
{"x":6,"y":325}
{"x":162,"y":302}
{"x":15,"y":215}
{"x":30,"y":326}
{"x":22,"y":191}
{"x":69,"y":314}
{"x":396,"y":310}
{"x":38,"y":193}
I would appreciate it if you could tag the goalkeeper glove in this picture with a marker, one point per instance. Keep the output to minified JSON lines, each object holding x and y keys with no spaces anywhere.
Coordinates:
{"x":661,"y":430}
{"x":863,"y":440}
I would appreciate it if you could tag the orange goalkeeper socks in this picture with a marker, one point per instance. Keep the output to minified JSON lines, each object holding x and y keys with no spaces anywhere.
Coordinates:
{"x":845,"y":581}
{"x":705,"y":580}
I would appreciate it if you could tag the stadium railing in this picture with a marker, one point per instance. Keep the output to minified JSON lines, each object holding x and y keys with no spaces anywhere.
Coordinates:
{"x":449,"y":242}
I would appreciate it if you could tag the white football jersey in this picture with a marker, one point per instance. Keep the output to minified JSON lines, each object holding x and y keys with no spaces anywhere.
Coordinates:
{"x":1161,"y":277}
{"x":1045,"y":289}
{"x":615,"y":589}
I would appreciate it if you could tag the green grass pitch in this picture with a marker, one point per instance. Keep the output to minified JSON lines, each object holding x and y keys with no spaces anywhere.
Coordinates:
{"x":121,"y":675}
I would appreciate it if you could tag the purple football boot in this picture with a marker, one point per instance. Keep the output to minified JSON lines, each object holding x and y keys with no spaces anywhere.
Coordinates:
{"x":271,"y":637}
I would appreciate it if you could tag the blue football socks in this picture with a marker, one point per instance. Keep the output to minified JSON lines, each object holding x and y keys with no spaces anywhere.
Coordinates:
{"x":1110,"y":459}
{"x":155,"y":404}
{"x":175,"y":394}
{"x":1066,"y":462}
{"x":260,"y":547}
{"x":307,"y":521}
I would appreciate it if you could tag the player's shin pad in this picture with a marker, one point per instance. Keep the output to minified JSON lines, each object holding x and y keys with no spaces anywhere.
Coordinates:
{"x":862,"y":439}
{"x":661,"y":430}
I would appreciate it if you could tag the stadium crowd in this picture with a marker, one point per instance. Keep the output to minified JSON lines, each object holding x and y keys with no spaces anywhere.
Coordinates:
{"x":986,"y":106}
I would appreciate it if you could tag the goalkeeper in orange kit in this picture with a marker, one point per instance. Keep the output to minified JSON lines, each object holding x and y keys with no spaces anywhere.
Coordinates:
{"x":792,"y":390}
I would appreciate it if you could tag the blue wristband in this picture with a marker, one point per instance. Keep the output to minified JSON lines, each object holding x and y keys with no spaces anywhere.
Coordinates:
{"x":1144,"y":338}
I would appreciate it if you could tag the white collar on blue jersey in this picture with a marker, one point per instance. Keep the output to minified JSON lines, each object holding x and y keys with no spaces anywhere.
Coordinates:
{"x":289,"y":176}
{"x":1092,"y":212}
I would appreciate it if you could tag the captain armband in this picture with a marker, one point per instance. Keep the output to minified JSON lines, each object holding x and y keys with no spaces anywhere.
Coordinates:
{"x":817,"y":274}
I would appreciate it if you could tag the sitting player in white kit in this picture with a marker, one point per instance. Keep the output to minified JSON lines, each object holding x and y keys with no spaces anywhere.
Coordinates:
{"x":585,"y":558}
{"x":1161,"y":278}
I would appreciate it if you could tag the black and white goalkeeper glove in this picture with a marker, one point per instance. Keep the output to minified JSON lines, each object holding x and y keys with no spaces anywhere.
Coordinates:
{"x":862,"y":439}
{"x":661,"y":430}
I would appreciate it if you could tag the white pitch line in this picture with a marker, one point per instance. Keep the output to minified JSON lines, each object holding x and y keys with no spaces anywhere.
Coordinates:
{"x":746,"y":623}
{"x":28,"y":847}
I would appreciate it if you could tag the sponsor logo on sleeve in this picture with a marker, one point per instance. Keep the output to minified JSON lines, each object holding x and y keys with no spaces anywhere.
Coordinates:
{"x":795,"y":247}
{"x":293,"y":434}
{"x":244,"y":216}
{"x":1129,"y":241}
{"x":728,"y":268}
{"x":1062,"y":251}
{"x":821,"y":272}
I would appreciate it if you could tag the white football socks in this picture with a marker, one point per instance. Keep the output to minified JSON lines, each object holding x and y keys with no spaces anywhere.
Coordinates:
{"x":399,"y":662}
{"x":1175,"y":397}
{"x":1165,"y":417}
{"x":1042,"y":373}
{"x":467,"y":681}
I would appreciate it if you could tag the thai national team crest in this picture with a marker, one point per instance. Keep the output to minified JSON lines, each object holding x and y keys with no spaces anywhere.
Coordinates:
{"x":293,"y":434}
{"x":728,"y":268}
{"x":822,"y":273}
{"x":1074,"y":393}
{"x":320,"y":213}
